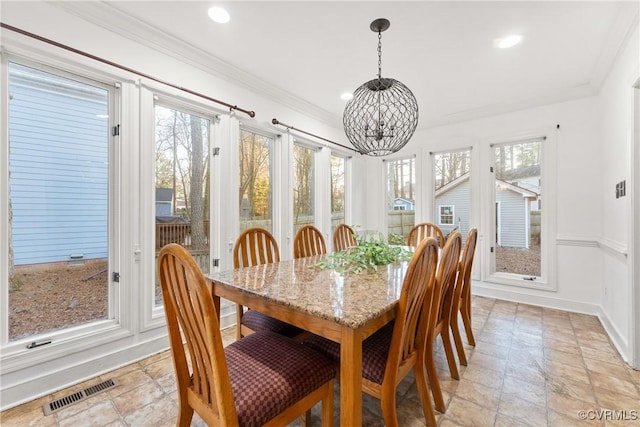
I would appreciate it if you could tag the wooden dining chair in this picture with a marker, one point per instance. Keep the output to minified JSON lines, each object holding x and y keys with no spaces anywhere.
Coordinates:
{"x":398,"y":348}
{"x":263,"y":379}
{"x":308,"y":241}
{"x":439,"y":316}
{"x":424,"y":230}
{"x":257,"y":246}
{"x":343,"y":237}
{"x":462,"y":297}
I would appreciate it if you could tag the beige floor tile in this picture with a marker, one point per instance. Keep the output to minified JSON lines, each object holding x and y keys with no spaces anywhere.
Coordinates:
{"x":160,"y":413}
{"x":617,"y":370}
{"x":564,"y":346}
{"x":562,"y":371}
{"x":127,"y":403}
{"x":489,"y":362}
{"x":30,"y":414}
{"x":602,"y":353}
{"x":534,"y":393}
{"x":532,"y":367}
{"x":504,"y":421}
{"x":467,"y":413}
{"x":570,"y":389}
{"x":486,"y":377}
{"x":495,"y":350}
{"x":81,"y":406}
{"x":613,"y":383}
{"x":571,"y":420}
{"x":610,"y":399}
{"x":482,"y":395}
{"x":159,"y":368}
{"x":572,"y":359}
{"x":100,"y":414}
{"x":527,"y":370}
{"x":128,"y":381}
{"x":522,"y":410}
{"x":559,"y":333}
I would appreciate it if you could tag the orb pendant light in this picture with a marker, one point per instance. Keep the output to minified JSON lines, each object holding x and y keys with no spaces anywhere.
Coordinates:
{"x":383,"y":114}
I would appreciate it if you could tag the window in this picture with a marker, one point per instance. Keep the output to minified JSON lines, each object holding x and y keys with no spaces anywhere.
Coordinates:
{"x":446,"y":215}
{"x":401,"y":183}
{"x":255,"y":180}
{"x":303,"y":186}
{"x":59,"y":169}
{"x":182,"y":177}
{"x":452,"y":191}
{"x":337,"y":191}
{"x":517,"y":217}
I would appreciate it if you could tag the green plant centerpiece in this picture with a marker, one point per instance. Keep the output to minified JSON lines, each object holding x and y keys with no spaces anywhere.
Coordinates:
{"x":372,"y":250}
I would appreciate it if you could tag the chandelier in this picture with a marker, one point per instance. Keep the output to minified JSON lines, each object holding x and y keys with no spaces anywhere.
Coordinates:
{"x":383,"y":114}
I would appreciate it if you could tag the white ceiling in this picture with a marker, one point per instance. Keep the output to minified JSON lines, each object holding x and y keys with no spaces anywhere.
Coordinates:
{"x":309,"y":52}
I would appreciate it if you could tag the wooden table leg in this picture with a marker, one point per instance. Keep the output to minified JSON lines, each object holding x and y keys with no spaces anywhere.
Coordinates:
{"x":350,"y":378}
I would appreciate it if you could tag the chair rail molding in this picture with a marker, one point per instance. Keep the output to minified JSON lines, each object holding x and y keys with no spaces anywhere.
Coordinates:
{"x":610,"y":245}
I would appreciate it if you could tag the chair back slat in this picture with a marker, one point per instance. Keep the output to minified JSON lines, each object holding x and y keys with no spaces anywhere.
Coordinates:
{"x":422,"y":231}
{"x":343,"y":238}
{"x":255,"y":246}
{"x":445,"y":280}
{"x":189,"y":308}
{"x":308,"y":241}
{"x":419,"y":280}
{"x":463,"y":282}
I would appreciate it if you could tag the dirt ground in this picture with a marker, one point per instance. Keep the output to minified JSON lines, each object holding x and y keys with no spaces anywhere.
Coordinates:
{"x":519,"y":261}
{"x":48,"y":297}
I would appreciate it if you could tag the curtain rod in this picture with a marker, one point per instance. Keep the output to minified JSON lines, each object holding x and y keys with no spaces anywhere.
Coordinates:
{"x":277,"y":122}
{"x":122,"y":67}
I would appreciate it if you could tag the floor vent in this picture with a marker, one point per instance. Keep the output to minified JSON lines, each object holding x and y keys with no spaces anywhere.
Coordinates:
{"x":63,"y":402}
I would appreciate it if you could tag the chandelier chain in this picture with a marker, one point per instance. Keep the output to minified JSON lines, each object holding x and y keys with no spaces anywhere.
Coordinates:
{"x":379,"y":54}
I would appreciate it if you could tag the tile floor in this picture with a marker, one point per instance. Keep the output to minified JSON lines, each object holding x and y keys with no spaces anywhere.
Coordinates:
{"x":531,"y":366}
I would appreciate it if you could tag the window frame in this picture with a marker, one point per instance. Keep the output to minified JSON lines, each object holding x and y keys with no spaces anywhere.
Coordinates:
{"x":69,"y":340}
{"x":547,"y":281}
{"x":453,"y":214}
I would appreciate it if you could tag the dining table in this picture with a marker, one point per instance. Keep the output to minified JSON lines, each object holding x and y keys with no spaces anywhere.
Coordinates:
{"x":343,"y":307}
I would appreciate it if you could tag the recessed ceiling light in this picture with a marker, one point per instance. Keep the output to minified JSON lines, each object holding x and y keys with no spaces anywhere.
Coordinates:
{"x":346,"y":96}
{"x":508,"y":41}
{"x":219,"y":15}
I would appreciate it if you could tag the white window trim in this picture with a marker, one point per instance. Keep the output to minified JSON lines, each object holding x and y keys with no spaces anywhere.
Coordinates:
{"x":453,"y":215}
{"x":548,"y":279}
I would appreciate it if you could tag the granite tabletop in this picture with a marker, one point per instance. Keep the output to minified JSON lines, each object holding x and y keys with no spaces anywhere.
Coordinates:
{"x":347,"y":299}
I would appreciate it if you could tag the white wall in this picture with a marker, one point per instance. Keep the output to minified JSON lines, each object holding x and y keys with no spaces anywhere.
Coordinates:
{"x":615,"y":108}
{"x":137,"y":333}
{"x":594,"y":152}
{"x":578,"y":279}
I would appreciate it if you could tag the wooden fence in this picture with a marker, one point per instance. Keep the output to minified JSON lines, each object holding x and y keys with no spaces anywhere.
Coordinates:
{"x":178,"y":232}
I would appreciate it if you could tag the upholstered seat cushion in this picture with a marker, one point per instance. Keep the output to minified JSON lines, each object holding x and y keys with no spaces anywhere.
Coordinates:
{"x":257,"y":321}
{"x":270,"y":372}
{"x":375,"y":351}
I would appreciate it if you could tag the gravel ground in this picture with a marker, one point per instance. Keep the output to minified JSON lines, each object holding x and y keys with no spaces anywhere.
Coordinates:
{"x":48,"y":297}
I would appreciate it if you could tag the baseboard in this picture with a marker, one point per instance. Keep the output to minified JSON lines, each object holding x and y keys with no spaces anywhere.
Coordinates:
{"x":521,"y":296}
{"x":618,"y":340}
{"x":26,"y":388}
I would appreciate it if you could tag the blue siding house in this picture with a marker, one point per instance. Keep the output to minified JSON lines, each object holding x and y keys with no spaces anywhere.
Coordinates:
{"x":59,"y":168}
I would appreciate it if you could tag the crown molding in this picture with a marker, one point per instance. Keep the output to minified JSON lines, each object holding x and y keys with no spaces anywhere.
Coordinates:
{"x":110,"y":18}
{"x":621,"y":30}
{"x":490,"y":110}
